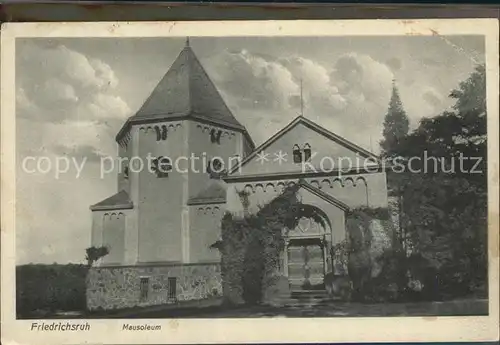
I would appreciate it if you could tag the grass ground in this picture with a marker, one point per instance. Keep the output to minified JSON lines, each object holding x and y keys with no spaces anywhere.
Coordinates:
{"x":215,"y":309}
{"x":334,"y":309}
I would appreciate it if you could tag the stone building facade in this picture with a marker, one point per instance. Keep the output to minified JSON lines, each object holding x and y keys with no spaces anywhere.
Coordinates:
{"x":160,"y":225}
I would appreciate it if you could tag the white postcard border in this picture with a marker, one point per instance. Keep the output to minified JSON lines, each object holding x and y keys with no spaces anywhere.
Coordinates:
{"x":373,"y":329}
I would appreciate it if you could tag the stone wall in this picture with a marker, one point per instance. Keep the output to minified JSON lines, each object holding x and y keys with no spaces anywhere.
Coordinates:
{"x":119,"y":287}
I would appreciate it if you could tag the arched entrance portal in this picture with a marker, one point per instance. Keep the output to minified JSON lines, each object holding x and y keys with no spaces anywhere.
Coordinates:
{"x":306,"y":255}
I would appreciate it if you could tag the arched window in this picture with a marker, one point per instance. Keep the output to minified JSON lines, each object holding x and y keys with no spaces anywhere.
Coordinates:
{"x":297,"y":155}
{"x":158,"y":133}
{"x":307,"y":152}
{"x":215,"y":168}
{"x":164,"y":132}
{"x":215,"y":136}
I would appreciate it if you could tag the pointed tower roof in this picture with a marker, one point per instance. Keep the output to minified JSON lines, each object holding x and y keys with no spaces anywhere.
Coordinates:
{"x":185,"y":91}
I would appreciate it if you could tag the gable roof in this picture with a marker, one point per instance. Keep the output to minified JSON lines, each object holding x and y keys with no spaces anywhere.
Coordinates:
{"x":214,"y":193}
{"x":120,"y":200}
{"x":315,"y":127}
{"x":185,"y":91}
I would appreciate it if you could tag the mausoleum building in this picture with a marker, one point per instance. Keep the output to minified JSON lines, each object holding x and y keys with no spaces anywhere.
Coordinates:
{"x":161,"y":223}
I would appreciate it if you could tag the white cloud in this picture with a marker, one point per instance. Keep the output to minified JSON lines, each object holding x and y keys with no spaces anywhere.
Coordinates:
{"x":63,"y":84}
{"x":66,"y":105}
{"x":350,"y":96}
{"x":104,"y":75}
{"x":423,"y":100}
{"x":72,"y":98}
{"x":318,"y":91}
{"x":55,"y":90}
{"x":252,"y":81}
{"x":105,"y":106}
{"x":70,"y":66}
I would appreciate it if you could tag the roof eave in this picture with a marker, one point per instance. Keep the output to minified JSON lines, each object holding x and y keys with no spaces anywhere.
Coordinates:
{"x":127,"y":206}
{"x":143,"y":119}
{"x":219,"y":122}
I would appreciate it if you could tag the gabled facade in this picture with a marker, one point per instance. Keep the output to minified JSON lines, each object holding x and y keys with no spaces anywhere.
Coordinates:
{"x":302,"y":136}
{"x":326,"y":161}
{"x":166,"y":214}
{"x":334,"y":176}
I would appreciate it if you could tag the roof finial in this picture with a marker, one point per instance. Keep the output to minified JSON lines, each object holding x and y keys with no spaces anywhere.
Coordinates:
{"x":187,"y":41}
{"x":301,"y":99}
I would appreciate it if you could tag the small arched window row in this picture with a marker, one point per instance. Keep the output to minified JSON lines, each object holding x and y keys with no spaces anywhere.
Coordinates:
{"x":161,"y":132}
{"x":301,"y":155}
{"x":113,"y":216}
{"x":161,"y":166}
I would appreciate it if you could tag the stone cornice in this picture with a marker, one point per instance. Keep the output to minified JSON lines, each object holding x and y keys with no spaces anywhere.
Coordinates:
{"x":193,"y":202}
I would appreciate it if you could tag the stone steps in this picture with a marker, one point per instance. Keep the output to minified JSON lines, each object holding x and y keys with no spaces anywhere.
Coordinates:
{"x":305,"y":298}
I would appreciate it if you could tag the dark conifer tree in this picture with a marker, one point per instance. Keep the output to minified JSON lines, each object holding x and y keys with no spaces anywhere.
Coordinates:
{"x":396,"y":127}
{"x":396,"y":123}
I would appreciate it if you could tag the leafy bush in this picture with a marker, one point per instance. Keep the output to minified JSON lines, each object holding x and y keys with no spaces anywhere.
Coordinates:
{"x":391,"y":283}
{"x":95,"y":253}
{"x":50,"y":288}
{"x":376,"y":273}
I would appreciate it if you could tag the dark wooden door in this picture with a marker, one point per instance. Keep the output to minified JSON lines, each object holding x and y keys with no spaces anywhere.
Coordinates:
{"x":305,"y":265}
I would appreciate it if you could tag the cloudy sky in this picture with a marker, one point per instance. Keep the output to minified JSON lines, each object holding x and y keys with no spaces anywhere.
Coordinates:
{"x":74,"y":94}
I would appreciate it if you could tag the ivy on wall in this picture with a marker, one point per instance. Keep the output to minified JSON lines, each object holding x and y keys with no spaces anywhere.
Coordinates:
{"x":251,"y":246}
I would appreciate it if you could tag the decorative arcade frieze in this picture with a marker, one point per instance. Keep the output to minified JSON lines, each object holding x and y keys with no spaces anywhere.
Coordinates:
{"x":323,"y":183}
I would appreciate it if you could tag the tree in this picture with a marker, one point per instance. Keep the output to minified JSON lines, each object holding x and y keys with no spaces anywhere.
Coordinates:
{"x":396,"y":123}
{"x":95,"y":253}
{"x":460,"y":131}
{"x":396,"y":127}
{"x":445,"y":208}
